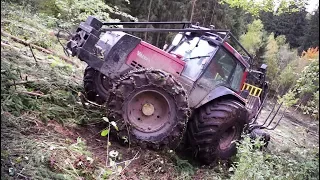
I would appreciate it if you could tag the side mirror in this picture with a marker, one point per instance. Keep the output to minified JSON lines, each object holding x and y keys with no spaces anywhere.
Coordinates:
{"x":177,"y":39}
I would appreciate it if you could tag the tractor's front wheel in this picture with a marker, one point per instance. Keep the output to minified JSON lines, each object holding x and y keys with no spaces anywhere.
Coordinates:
{"x":214,"y":128}
{"x":153,"y":108}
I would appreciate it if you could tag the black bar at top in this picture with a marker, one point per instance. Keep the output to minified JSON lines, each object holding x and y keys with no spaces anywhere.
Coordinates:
{"x":225,"y":36}
{"x":163,"y":30}
{"x":136,"y":23}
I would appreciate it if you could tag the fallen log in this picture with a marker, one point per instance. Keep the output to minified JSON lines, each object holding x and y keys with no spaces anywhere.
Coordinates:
{"x":39,"y":48}
{"x":60,"y":34}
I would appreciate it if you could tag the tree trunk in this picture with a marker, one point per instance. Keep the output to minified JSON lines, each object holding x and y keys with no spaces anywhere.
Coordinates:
{"x":192,"y":10}
{"x":148,"y":19}
{"x":214,"y":7}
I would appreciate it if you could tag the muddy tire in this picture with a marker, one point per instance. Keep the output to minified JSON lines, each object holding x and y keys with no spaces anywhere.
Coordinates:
{"x":214,"y":128}
{"x":152,"y":107}
{"x":96,"y":85}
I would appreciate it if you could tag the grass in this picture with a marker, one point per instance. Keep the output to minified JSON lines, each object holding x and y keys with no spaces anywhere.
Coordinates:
{"x":298,"y":163}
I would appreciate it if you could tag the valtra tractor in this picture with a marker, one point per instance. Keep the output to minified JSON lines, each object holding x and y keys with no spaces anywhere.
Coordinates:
{"x":199,"y":87}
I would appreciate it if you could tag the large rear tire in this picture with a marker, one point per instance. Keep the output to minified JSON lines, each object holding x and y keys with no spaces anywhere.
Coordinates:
{"x":215,"y":127}
{"x":96,"y":85}
{"x":153,"y":108}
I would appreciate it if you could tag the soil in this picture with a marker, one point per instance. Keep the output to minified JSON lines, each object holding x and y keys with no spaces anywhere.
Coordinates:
{"x":294,"y":130}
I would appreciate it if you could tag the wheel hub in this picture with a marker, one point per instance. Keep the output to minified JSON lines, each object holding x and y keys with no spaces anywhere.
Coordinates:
{"x":148,"y":110}
{"x":227,"y":137}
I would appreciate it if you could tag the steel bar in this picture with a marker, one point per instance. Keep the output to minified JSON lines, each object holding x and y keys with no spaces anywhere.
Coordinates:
{"x":275,"y":114}
{"x":259,"y":111}
{"x":269,"y":115}
{"x":163,"y":30}
{"x":145,"y":23}
{"x":268,"y":128}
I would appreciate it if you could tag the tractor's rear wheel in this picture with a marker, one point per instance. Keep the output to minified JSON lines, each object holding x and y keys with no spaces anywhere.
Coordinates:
{"x":153,"y":108}
{"x":215,"y":127}
{"x":96,"y":85}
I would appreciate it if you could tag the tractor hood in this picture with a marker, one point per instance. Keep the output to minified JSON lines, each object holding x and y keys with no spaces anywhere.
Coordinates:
{"x":115,"y":53}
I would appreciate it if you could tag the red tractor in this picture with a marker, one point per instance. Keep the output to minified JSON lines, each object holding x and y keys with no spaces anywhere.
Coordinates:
{"x":196,"y":87}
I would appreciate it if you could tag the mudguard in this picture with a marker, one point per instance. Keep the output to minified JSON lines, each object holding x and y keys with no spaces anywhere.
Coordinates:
{"x":221,"y":91}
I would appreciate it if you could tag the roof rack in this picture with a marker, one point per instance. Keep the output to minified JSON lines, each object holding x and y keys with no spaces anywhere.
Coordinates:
{"x":187,"y":27}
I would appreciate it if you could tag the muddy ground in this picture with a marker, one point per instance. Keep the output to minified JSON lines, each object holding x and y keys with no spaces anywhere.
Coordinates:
{"x":294,"y":130}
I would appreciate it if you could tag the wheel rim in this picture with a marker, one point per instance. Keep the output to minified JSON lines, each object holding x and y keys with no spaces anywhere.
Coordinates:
{"x":227,"y":137}
{"x":148,"y":111}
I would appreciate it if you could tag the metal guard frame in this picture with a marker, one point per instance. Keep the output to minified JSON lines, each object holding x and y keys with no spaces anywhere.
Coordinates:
{"x":223,"y":34}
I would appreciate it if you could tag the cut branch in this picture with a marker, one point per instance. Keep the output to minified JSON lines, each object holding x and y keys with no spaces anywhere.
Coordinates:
{"x":35,"y":59}
{"x":21,"y":82}
{"x":31,"y":93}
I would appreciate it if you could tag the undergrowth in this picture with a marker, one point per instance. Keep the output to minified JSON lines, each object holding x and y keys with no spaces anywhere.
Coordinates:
{"x":56,"y":88}
{"x":252,"y":163}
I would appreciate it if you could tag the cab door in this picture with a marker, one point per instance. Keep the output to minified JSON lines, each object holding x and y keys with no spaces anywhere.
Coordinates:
{"x":223,"y":70}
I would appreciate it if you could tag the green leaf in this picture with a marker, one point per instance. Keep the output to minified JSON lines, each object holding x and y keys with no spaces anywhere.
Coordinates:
{"x":105,"y":132}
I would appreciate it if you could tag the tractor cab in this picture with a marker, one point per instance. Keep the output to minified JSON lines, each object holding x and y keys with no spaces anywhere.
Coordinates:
{"x":210,"y":63}
{"x":195,"y":51}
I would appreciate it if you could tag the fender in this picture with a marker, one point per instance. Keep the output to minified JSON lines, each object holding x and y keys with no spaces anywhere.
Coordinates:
{"x":219,"y":92}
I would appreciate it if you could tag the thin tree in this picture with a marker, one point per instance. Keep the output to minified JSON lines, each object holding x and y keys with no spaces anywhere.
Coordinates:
{"x":148,"y":19}
{"x":192,"y":10}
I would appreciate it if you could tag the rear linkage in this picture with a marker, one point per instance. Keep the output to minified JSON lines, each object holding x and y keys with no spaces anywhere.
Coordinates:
{"x":256,"y":130}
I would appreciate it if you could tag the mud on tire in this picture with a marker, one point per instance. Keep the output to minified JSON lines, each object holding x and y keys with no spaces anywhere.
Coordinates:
{"x":96,"y":85}
{"x":214,"y":128}
{"x":164,"y":124}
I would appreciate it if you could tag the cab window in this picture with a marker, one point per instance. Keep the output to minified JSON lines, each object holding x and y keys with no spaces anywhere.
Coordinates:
{"x":223,"y":69}
{"x":195,"y":57}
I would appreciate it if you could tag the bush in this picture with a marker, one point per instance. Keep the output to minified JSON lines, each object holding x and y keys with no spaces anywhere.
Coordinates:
{"x":305,"y":92}
{"x":255,"y":164}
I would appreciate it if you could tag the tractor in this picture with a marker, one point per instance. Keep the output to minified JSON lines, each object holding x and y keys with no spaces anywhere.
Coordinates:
{"x":198,"y":88}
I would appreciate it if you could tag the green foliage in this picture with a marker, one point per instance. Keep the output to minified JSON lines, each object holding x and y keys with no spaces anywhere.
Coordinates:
{"x":288,"y":99}
{"x":184,"y":168}
{"x":31,"y":27}
{"x":305,"y":91}
{"x":311,"y":36}
{"x":253,"y":163}
{"x":292,"y":25}
{"x":104,"y":132}
{"x":254,"y":7}
{"x":271,"y":59}
{"x":74,"y":11}
{"x":252,"y":39}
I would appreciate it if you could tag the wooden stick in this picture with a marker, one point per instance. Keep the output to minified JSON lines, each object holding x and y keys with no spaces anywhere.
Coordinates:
{"x":31,"y":93}
{"x":35,"y":59}
{"x":21,"y":82}
{"x":38,"y":48}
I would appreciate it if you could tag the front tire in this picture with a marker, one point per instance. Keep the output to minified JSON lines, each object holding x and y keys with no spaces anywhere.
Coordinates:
{"x":153,"y":108}
{"x":215,"y":127}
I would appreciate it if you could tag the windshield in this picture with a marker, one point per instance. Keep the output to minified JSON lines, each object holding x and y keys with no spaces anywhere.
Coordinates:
{"x":194,"y":56}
